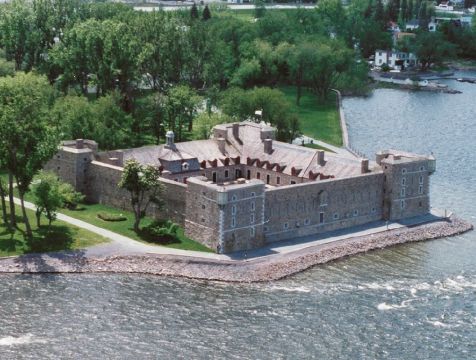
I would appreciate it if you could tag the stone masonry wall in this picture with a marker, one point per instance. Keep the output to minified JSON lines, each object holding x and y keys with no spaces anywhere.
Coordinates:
{"x":316,"y":207}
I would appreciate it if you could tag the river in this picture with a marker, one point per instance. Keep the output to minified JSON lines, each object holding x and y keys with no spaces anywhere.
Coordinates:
{"x":415,"y":301}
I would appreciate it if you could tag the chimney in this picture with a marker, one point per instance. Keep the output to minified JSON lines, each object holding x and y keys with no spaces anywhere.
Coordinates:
{"x":268,"y":146}
{"x":236,"y":130}
{"x":79,"y":143}
{"x":320,"y":158}
{"x":169,"y":136}
{"x":364,"y":166}
{"x":221,"y":144}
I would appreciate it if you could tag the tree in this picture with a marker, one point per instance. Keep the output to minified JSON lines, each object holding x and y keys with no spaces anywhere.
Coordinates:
{"x":469,"y":3}
{"x":194,"y":12}
{"x":431,"y":48}
{"x":206,"y":15}
{"x":143,"y":184}
{"x":74,"y":117}
{"x":181,"y":105}
{"x":301,"y":61}
{"x":28,"y":139}
{"x":112,"y":126}
{"x":47,"y":197}
{"x":260,"y":8}
{"x":205,"y":122}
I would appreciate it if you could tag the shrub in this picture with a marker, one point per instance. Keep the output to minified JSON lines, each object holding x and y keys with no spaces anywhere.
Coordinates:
{"x":161,"y":232}
{"x":70,"y":197}
{"x":111,"y":217}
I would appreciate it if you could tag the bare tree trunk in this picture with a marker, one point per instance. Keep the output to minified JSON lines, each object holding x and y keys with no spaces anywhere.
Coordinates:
{"x":13,"y":220}
{"x":29,"y":233}
{"x":4,"y":204}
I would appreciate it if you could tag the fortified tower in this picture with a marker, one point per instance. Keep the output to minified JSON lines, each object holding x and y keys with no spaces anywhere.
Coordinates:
{"x":406,"y":183}
{"x":72,"y":161}
{"x":226,"y":217}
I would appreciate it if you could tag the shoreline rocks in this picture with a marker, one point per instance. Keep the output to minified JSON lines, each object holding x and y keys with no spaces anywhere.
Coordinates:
{"x":268,"y":268}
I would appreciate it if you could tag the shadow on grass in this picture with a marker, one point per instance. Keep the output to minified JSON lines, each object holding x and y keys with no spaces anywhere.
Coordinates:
{"x":148,"y":234}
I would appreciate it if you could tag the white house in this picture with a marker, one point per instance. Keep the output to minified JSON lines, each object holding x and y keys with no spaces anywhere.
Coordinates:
{"x":415,"y":24}
{"x":444,"y":7}
{"x":395,"y":59}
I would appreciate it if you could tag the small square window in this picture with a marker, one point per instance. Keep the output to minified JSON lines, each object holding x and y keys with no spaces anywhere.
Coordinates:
{"x":253,"y":194}
{"x":356,"y":212}
{"x":234,"y":198}
{"x":336,"y":216}
{"x":292,"y":182}
{"x":404,"y":171}
{"x":286,"y":226}
{"x":374,"y":210}
{"x":203,"y":206}
{"x":307,"y":222}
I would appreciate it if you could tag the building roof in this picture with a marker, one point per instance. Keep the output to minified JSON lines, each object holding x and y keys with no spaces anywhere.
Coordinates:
{"x":249,"y":147}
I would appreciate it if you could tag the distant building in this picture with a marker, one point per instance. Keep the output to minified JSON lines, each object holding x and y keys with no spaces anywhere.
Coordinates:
{"x":395,"y":59}
{"x":242,"y":189}
{"x":414,"y":24}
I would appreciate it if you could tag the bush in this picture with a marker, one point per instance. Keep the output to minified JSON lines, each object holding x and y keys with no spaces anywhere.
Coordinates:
{"x":70,"y":197}
{"x":161,"y":232}
{"x":111,"y":217}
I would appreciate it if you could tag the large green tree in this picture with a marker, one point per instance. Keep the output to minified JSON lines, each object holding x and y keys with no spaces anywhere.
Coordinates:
{"x":28,"y":137}
{"x":143,"y":184}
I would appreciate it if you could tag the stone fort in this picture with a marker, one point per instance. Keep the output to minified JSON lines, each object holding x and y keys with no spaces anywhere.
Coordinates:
{"x":242,"y":189}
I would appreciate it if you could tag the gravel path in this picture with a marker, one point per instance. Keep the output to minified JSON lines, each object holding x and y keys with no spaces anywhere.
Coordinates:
{"x":261,"y":269}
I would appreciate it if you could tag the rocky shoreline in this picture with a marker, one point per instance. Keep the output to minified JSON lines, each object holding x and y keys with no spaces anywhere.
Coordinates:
{"x":272,"y":267}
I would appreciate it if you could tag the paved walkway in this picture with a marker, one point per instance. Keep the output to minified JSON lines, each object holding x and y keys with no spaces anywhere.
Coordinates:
{"x":122,"y":245}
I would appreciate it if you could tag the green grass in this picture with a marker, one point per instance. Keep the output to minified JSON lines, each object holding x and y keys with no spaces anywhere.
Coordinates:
{"x":88,"y":213}
{"x":319,"y":120}
{"x":319,"y":147}
{"x":60,"y":236}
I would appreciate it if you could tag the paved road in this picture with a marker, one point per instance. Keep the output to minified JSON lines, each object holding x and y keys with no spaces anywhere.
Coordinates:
{"x":122,"y":245}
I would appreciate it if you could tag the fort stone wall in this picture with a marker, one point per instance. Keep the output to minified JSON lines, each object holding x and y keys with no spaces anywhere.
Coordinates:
{"x":317,"y":207}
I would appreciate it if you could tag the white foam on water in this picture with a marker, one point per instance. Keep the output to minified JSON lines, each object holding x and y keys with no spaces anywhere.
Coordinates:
{"x":437,"y":323}
{"x":20,"y":340}
{"x":384,"y":306}
{"x":301,"y":289}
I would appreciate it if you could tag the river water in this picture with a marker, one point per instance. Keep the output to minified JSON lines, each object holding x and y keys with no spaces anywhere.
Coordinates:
{"x":416,"y":301}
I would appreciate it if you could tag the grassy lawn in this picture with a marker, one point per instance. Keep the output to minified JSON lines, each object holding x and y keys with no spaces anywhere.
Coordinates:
{"x":315,"y":146}
{"x":60,"y":236}
{"x":88,"y":213}
{"x":318,"y":120}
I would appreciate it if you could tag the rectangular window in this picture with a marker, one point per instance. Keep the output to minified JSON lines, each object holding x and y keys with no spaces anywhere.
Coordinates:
{"x":252,"y":232}
{"x":292,"y":182}
{"x":402,"y":192}
{"x":248,"y":174}
{"x":258,"y":175}
{"x":321,"y":218}
{"x":214,"y":177}
{"x":356,"y":212}
{"x":421,"y":179}
{"x":267,"y":179}
{"x":402,"y":204}
{"x":233,"y":222}
{"x":233,"y":210}
{"x":237,"y":173}
{"x":252,"y":218}
{"x":404,"y":181}
{"x":278,"y":180}
{"x":286,"y":226}
{"x":184,"y":180}
{"x":336,"y":216}
{"x":226,"y":174}
{"x":420,"y":190}
{"x":307,"y":221}
{"x":253,"y":206}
